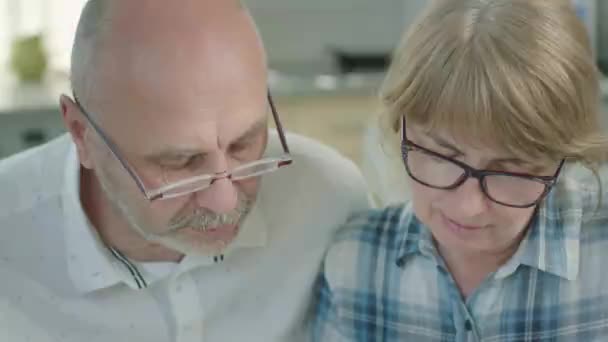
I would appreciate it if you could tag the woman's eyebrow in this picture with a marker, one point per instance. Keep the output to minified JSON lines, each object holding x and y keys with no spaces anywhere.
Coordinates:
{"x":444,"y":143}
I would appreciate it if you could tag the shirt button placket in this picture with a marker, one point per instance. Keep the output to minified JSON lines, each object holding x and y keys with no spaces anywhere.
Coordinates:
{"x":469,"y":330}
{"x":468,"y":326}
{"x":187,"y":310}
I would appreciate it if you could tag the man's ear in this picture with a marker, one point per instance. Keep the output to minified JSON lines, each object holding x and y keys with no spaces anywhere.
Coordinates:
{"x":77,"y":127}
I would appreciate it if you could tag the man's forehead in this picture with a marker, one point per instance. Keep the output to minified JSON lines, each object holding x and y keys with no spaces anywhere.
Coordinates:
{"x":183,"y":54}
{"x":186,"y":82}
{"x":205,"y":146}
{"x":139,"y":13}
{"x":183,"y":26}
{"x":202,"y":133}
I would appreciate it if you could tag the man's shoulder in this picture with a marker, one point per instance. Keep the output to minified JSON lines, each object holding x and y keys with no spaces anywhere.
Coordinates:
{"x":319,"y":172}
{"x":368,"y":240}
{"x":36,"y":156}
{"x":313,"y":197}
{"x":318,"y":162}
{"x":32,"y":174}
{"x":314,"y":154}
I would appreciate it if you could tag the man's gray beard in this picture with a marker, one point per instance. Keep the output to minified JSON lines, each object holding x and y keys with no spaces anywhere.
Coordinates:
{"x":121,"y":207}
{"x":203,"y":219}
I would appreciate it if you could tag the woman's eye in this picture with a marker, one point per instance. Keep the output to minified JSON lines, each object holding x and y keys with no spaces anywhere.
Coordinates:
{"x":437,"y":159}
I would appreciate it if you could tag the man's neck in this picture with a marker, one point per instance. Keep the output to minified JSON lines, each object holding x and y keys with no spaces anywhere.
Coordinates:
{"x":114,"y":230}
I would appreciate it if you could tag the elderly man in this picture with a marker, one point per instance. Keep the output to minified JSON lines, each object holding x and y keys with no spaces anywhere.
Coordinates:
{"x":150,"y":221}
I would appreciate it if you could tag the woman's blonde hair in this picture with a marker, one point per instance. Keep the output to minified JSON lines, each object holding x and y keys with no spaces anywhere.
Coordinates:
{"x":517,"y":74}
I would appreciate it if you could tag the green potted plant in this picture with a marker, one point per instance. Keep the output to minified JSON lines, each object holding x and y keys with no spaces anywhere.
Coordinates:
{"x":28,"y":58}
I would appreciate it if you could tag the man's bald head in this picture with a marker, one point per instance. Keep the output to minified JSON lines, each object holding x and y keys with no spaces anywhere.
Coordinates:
{"x":90,"y":29}
{"x":109,"y":30}
{"x":180,"y":89}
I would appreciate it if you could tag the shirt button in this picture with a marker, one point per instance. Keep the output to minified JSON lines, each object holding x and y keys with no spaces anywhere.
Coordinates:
{"x":468,"y":326}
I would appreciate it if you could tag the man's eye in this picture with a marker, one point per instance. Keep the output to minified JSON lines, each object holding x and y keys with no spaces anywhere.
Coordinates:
{"x":239,"y":148}
{"x":179,"y":163}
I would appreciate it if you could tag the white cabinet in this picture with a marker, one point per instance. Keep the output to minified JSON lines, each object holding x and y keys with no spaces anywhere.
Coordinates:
{"x":29,"y":115}
{"x":21,"y":130}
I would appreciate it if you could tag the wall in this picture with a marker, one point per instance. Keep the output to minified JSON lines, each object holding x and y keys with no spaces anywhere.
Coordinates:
{"x":299,"y":34}
{"x":602,"y":29}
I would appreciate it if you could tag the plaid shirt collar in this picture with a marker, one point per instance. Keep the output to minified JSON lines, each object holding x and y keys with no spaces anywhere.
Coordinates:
{"x":551,"y":245}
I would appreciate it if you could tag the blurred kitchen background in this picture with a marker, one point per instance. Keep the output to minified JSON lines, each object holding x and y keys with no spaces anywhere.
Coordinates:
{"x":326,"y":59}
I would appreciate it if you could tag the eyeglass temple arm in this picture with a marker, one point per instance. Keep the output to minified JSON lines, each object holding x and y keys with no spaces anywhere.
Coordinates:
{"x":112,"y":147}
{"x":278,"y":123}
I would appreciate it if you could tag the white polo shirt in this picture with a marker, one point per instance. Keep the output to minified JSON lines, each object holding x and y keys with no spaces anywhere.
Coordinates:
{"x":58,"y":282}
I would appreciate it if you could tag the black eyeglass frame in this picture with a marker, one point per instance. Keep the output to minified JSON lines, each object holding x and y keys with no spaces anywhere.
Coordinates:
{"x":469,"y":171}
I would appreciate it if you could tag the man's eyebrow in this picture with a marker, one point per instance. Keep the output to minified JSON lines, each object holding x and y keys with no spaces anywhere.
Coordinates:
{"x":173,"y":153}
{"x":252,"y":131}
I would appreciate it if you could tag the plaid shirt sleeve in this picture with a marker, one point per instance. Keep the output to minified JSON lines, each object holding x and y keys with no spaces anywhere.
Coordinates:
{"x":342,"y":303}
{"x":326,"y":323}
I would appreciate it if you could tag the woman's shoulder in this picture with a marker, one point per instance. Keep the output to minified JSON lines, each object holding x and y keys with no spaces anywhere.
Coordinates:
{"x":368,"y":238}
{"x":581,"y":192}
{"x":373,"y":224}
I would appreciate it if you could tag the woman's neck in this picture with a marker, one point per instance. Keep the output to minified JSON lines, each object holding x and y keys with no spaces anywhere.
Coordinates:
{"x":469,"y":270}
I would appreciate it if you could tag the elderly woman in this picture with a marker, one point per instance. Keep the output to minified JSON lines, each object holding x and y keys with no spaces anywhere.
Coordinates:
{"x":495,"y":107}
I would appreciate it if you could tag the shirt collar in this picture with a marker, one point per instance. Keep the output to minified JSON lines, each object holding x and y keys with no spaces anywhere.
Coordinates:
{"x":417,"y":238}
{"x":253,"y":233}
{"x":551,"y":245}
{"x":89,"y":262}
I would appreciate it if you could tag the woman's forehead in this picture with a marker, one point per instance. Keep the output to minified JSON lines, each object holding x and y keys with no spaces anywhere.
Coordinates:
{"x":475,"y":146}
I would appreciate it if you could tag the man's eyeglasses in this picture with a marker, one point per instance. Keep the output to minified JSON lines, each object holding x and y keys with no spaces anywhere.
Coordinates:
{"x":199,"y":182}
{"x":517,"y":190}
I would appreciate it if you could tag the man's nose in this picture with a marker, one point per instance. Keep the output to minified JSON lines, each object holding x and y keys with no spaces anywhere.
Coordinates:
{"x":220,"y":197}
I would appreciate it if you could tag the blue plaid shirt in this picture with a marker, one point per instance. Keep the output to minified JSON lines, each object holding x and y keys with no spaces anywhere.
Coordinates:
{"x":383,"y":279}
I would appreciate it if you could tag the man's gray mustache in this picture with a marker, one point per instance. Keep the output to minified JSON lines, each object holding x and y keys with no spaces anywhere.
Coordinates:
{"x":203,"y":219}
